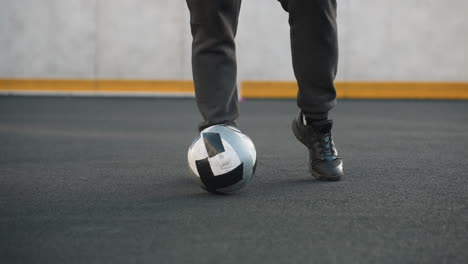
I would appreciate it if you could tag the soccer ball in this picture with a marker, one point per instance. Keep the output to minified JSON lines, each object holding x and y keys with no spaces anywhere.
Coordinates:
{"x":222,"y":159}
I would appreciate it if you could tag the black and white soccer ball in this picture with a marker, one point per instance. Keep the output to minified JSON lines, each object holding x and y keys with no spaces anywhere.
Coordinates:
{"x":222,"y":159}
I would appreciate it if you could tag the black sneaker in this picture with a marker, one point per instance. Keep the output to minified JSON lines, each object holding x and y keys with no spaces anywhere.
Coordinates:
{"x":324,"y":162}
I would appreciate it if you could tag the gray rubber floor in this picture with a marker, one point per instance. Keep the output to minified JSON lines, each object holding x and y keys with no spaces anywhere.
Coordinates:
{"x":87,"y":180}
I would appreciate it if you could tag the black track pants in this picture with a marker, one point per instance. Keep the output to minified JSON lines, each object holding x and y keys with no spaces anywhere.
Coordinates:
{"x":314,"y":55}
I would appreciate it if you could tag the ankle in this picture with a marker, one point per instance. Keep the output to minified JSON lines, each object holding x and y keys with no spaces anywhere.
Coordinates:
{"x":314,"y":118}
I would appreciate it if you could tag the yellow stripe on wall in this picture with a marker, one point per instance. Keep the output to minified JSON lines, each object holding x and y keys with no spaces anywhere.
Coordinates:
{"x":136,"y":86}
{"x":403,"y":90}
{"x":364,"y":90}
{"x":249,"y":89}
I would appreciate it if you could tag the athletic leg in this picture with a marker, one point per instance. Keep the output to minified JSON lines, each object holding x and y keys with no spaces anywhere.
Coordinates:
{"x":315,"y":57}
{"x":314,"y":45}
{"x":213,"y":26}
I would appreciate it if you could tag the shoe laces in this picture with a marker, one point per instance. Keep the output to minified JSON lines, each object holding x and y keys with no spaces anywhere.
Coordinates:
{"x":327,"y":147}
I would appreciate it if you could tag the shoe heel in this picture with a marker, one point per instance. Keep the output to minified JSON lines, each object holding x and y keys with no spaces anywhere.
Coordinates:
{"x":296,"y":132}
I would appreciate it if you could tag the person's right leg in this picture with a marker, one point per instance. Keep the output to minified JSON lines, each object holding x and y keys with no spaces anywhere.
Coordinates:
{"x":214,"y":25}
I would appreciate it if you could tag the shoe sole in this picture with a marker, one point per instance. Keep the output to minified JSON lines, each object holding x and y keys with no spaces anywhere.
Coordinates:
{"x":316,"y":175}
{"x":323,"y":178}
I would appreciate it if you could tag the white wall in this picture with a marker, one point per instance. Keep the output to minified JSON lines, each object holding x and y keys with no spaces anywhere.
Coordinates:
{"x":150,"y":39}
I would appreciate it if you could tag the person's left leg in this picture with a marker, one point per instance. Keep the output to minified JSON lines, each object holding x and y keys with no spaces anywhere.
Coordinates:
{"x":314,"y":46}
